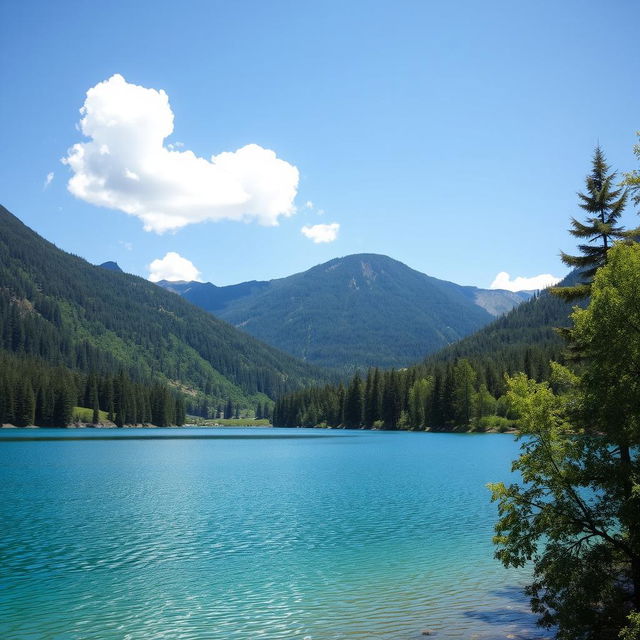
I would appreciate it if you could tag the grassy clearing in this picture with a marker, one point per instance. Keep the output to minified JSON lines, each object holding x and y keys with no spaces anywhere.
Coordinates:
{"x":84,"y":414}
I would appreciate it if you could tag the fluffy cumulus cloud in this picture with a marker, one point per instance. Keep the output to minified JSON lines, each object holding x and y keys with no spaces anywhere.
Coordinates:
{"x":503,"y":281}
{"x":126,"y":165}
{"x":321,"y":232}
{"x":173,"y":267}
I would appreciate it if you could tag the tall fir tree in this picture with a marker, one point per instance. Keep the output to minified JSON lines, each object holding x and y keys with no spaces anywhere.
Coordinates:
{"x":604,"y":205}
{"x":353,"y":403}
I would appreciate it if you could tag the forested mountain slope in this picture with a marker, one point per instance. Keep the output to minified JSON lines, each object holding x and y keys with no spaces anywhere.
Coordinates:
{"x":58,"y":308}
{"x":525,"y":339}
{"x":456,"y":387}
{"x":353,"y":312}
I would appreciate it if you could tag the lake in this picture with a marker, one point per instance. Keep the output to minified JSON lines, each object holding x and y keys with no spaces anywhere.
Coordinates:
{"x":229,"y":534}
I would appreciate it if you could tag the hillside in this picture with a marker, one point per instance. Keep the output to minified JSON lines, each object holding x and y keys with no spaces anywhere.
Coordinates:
{"x":525,"y":339}
{"x":455,"y":388}
{"x":358,"y":311}
{"x":59,"y":309}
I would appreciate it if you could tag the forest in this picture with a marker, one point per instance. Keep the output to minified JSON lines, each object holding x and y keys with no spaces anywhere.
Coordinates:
{"x":58,"y":311}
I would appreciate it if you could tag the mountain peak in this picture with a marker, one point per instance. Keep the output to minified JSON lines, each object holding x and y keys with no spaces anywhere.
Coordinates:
{"x":111,"y":266}
{"x":354,"y":311}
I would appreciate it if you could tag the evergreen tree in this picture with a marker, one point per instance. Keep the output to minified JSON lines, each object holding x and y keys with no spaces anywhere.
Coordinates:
{"x":604,"y":205}
{"x":25,"y":404}
{"x":353,"y":405}
{"x":391,"y":400}
{"x":372,"y":398}
{"x":64,"y":402}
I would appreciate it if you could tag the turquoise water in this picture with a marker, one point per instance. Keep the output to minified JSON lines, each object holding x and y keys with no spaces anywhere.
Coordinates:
{"x":223,"y":534}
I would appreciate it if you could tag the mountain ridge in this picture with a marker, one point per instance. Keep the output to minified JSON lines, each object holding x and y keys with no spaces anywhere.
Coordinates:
{"x":59,"y":308}
{"x":353,"y":311}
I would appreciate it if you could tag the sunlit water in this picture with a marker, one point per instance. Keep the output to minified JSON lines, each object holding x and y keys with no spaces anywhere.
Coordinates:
{"x":253,"y":533}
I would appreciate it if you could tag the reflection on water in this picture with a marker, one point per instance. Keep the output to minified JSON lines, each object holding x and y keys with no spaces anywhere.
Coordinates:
{"x":255,"y":533}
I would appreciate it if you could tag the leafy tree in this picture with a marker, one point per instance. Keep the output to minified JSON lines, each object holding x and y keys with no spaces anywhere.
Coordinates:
{"x":419,"y":397}
{"x":484,"y":404}
{"x":632,"y":178}
{"x":632,"y":630}
{"x":464,"y":379}
{"x":576,"y":514}
{"x":604,"y":205}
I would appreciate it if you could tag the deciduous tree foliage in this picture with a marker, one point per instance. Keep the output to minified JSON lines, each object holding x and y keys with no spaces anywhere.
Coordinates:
{"x":576,"y":512}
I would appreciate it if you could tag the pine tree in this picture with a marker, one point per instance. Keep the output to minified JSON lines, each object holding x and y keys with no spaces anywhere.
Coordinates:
{"x":372,"y":398}
{"x":604,"y":205}
{"x":25,"y":404}
{"x":353,"y":403}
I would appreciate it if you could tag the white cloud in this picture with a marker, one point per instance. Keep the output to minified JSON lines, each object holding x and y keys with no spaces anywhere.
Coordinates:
{"x":321,"y":232}
{"x":127,"y":245}
{"x":503,"y":281}
{"x":48,"y":180}
{"x":126,"y":166}
{"x":308,"y":204}
{"x":173,"y":267}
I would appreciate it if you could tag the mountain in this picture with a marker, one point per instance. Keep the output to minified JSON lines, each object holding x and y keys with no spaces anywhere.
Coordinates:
{"x":111,"y":266}
{"x":59,"y":309}
{"x":358,"y":311}
{"x":525,"y":339}
{"x":211,"y":298}
{"x":458,"y":387}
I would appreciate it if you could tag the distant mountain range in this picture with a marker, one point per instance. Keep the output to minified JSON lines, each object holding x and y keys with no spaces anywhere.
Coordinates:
{"x":59,"y":309}
{"x":353,"y":312}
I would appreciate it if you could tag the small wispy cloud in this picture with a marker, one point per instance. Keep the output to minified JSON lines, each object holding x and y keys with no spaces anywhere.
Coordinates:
{"x":308,"y":204}
{"x":321,"y":232}
{"x":48,"y":180}
{"x":504,"y":281}
{"x":173,"y":267}
{"x":127,"y":245}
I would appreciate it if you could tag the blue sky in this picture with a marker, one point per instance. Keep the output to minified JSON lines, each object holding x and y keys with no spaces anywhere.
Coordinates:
{"x":450,"y":136}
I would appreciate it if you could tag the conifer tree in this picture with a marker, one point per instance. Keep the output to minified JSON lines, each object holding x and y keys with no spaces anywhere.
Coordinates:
{"x":353,"y":403}
{"x":604,"y":205}
{"x":25,"y":404}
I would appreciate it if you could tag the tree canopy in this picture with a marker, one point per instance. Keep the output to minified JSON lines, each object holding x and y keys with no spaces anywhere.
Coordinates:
{"x":576,"y":512}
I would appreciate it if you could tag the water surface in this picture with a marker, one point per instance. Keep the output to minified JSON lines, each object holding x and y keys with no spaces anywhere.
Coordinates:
{"x":229,"y":534}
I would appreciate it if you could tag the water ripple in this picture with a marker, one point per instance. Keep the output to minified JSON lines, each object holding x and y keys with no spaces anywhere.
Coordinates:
{"x":376,"y":536}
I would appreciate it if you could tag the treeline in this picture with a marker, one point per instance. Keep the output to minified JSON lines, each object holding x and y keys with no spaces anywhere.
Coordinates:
{"x":440,"y":397}
{"x":32,"y":392}
{"x":461,"y":386}
{"x":203,"y":409}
